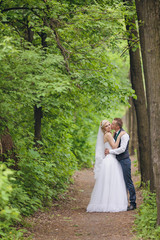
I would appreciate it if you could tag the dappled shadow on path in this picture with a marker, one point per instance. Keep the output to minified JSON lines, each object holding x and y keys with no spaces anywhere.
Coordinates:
{"x":67,"y":219}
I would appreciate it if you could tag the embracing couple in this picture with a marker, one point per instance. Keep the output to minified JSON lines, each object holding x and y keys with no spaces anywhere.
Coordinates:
{"x":112,"y":171}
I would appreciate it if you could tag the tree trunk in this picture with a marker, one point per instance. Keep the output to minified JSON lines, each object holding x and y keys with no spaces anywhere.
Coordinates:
{"x":130,"y":120}
{"x":134,"y":130}
{"x":141,"y":112}
{"x":37,"y":110}
{"x":37,"y":125}
{"x":131,"y":128}
{"x":149,"y":28}
{"x":38,"y":113}
{"x":133,"y":145}
{"x":7,"y":149}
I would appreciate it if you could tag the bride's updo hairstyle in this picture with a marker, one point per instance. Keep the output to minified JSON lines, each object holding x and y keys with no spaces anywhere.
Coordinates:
{"x":103,"y":125}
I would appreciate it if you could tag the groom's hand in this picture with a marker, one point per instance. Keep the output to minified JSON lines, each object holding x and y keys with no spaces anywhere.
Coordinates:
{"x":106,"y":151}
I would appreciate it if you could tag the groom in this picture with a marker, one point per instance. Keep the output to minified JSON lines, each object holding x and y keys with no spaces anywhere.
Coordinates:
{"x":122,"y":156}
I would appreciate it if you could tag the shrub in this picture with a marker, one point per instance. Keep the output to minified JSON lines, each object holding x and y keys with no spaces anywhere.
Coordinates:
{"x":145,"y":223}
{"x":8,"y":214}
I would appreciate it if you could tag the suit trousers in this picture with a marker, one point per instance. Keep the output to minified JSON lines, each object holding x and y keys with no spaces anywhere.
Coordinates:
{"x":126,"y":168}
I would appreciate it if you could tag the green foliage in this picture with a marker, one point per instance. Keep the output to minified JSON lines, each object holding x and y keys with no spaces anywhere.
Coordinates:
{"x":145,"y":223}
{"x":8,"y":214}
{"x":63,"y":57}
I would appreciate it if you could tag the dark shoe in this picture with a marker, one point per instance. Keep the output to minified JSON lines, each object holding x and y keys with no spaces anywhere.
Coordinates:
{"x":131,"y":207}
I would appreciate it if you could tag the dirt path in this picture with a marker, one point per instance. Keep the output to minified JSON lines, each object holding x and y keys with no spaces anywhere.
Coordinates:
{"x":68,"y":219}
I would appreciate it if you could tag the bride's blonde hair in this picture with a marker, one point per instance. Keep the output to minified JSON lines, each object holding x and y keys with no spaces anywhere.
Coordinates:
{"x":102,"y":124}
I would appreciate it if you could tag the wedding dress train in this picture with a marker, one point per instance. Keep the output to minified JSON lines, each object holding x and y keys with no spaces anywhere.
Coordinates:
{"x":109,"y":193}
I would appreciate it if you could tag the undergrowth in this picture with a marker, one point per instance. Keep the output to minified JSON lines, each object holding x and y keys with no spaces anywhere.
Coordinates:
{"x":145,"y":223}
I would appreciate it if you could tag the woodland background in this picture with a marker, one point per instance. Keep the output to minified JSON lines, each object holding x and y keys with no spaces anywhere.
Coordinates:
{"x":65,"y":66}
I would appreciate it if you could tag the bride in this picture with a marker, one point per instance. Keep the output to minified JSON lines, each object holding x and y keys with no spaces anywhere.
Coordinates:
{"x":109,"y":193}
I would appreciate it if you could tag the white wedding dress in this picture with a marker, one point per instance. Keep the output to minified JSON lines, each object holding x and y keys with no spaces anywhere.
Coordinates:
{"x":109,"y":193}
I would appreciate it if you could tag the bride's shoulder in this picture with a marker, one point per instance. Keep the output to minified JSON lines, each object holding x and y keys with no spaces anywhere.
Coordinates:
{"x":107,"y":135}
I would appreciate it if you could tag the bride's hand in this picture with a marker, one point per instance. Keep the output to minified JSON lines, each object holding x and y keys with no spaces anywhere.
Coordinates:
{"x":106,"y":151}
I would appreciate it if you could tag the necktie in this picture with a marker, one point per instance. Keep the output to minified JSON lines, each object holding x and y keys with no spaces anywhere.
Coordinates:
{"x":115,"y":136}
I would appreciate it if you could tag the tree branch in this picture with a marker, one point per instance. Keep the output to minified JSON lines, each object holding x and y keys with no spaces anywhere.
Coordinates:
{"x":18,"y":8}
{"x":129,"y":47}
{"x":23,"y":8}
{"x":64,"y":52}
{"x":129,"y":39}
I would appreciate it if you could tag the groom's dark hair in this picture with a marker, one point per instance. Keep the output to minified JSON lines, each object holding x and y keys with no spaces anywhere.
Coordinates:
{"x":119,"y":122}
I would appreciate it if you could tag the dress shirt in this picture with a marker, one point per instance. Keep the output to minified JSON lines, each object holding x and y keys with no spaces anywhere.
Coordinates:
{"x":123,"y":145}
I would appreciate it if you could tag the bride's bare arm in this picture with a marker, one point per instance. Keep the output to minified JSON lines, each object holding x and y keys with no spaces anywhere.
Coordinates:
{"x":108,"y":138}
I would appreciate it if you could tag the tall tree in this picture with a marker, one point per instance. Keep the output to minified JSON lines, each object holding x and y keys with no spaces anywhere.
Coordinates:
{"x":149,"y":29}
{"x":139,"y":103}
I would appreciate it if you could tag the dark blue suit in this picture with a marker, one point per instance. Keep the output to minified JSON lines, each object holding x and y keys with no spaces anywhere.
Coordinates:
{"x":125,"y":162}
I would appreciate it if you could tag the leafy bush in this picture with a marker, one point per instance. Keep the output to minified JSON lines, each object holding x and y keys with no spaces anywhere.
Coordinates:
{"x":8,"y":214}
{"x":145,"y":223}
{"x":40,"y":179}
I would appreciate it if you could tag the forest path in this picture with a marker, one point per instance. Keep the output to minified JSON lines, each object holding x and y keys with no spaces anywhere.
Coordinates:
{"x":67,"y":219}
